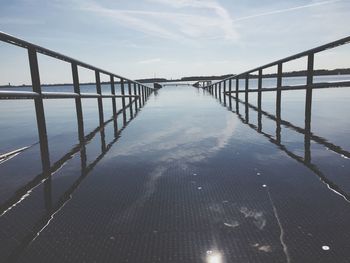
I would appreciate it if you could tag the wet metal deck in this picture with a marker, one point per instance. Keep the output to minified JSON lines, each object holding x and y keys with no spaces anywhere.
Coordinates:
{"x":187,"y":180}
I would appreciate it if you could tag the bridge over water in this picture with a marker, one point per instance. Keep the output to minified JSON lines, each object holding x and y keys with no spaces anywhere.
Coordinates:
{"x":246,"y":169}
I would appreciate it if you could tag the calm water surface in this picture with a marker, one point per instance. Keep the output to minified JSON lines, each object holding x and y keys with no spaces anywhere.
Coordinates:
{"x":189,"y":179}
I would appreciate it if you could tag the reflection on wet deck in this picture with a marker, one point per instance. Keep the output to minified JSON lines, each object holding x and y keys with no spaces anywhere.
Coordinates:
{"x":306,"y":159}
{"x":182,"y":180}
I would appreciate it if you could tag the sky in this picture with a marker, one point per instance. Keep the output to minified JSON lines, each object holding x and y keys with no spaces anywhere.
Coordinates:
{"x":170,"y":38}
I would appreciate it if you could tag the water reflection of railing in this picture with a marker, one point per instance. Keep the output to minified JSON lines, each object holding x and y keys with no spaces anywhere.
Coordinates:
{"x":140,"y":92}
{"x":219,"y":90}
{"x":45,"y":178}
{"x":136,"y":95}
{"x":276,"y":139}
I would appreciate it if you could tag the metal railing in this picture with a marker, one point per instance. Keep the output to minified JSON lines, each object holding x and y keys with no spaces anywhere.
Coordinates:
{"x":44,"y":179}
{"x":220,"y":87}
{"x":219,"y":90}
{"x":276,"y":138}
{"x":138,"y":95}
{"x":226,"y":85}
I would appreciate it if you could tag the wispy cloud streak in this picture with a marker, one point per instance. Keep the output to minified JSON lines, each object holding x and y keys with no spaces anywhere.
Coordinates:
{"x":149,"y":61}
{"x":223,"y":17}
{"x":216,"y":23}
{"x":286,"y":10}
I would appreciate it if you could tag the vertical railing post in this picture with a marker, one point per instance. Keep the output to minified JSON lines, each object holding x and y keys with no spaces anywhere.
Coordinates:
{"x":259,"y":88}
{"x":130,"y":99}
{"x":41,"y":125}
{"x":122,"y":91}
{"x":143,"y":94}
{"x":279,"y":92}
{"x":224,"y":92}
{"x":139,"y":93}
{"x":39,"y":109}
{"x":135,"y":99}
{"x":237,"y":95}
{"x":308,"y":107}
{"x":99,"y":100}
{"x":246,"y":88}
{"x":114,"y":105}
{"x":278,"y":102}
{"x":259,"y":99}
{"x":246,"y":98}
{"x":78,"y":104}
{"x":237,"y":88}
{"x":230,"y":90}
{"x":218,"y":89}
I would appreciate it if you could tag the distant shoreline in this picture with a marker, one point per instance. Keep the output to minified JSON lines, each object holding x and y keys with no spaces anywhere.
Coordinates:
{"x":321,"y":72}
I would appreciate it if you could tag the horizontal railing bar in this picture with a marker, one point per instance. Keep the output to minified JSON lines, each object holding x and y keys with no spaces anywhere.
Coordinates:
{"x":18,"y":94}
{"x":5,"y":94}
{"x":58,"y":164}
{"x":25,"y":44}
{"x":321,"y":85}
{"x":95,"y":95}
{"x":59,"y":95}
{"x":318,"y":49}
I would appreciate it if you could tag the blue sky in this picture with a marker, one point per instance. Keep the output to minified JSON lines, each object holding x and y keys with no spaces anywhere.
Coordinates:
{"x":170,"y":38}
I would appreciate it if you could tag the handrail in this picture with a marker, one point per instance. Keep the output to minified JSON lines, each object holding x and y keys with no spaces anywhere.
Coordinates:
{"x":215,"y":89}
{"x":276,"y":140}
{"x":23,"y":191}
{"x":5,"y":94}
{"x":25,"y":44}
{"x":220,"y":88}
{"x":137,"y":97}
{"x":313,"y":51}
{"x":45,"y":179}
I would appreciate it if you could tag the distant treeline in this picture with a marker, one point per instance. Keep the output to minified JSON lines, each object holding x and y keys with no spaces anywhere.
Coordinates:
{"x":194,"y":78}
{"x":301,"y":73}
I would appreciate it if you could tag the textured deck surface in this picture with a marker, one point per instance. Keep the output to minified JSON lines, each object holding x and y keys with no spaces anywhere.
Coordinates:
{"x":186,"y":181}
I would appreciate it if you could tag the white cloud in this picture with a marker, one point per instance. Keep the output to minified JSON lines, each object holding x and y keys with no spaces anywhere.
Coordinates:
{"x":291,"y":9}
{"x":217,"y":23}
{"x":149,"y":61}
{"x":223,"y":19}
{"x":126,"y":18}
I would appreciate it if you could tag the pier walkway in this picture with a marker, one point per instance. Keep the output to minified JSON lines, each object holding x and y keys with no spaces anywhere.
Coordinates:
{"x":185,"y":181}
{"x":120,"y":171}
